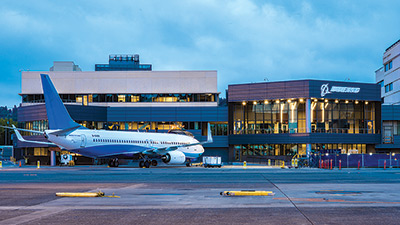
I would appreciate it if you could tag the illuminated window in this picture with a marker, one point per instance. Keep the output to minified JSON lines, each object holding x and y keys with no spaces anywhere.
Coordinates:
{"x":79,"y":98}
{"x":85,"y":100}
{"x":135,"y":98}
{"x":121,"y":98}
{"x":40,"y":151}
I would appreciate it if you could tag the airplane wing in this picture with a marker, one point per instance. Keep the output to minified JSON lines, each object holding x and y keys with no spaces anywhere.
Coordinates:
{"x":20,"y":138}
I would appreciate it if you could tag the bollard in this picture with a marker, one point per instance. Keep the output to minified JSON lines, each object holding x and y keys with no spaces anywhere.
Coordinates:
{"x":19,"y":163}
{"x":244,"y":164}
{"x":1,"y":164}
{"x":292,"y":162}
{"x":269,"y":162}
{"x":331,"y":163}
{"x":38,"y":164}
{"x":340,"y":164}
{"x":384,"y":165}
{"x":296,"y":163}
{"x":358,"y":167}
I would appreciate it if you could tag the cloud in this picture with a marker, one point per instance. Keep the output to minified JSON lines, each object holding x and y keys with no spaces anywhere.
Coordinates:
{"x":245,"y":40}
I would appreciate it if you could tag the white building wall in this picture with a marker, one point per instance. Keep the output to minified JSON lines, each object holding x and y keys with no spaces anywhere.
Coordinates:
{"x":390,"y":76}
{"x":122,"y":82}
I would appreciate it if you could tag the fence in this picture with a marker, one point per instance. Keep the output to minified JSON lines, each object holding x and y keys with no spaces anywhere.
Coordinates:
{"x":355,"y":160}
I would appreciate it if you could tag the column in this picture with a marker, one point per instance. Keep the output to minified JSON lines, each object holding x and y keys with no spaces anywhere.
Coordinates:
{"x":52,"y":158}
{"x":308,"y":124}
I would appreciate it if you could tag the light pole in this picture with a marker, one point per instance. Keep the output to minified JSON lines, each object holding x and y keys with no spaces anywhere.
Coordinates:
{"x":5,"y":133}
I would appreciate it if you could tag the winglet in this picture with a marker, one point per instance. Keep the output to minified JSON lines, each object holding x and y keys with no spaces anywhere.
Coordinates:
{"x":19,"y":136}
{"x":209,"y":136}
{"x":21,"y":139}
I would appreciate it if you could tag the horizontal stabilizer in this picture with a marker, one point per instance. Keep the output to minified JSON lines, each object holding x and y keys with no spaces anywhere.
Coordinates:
{"x":65,"y":132}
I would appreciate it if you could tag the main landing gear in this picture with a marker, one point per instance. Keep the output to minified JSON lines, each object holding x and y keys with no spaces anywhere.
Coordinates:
{"x":188,"y":162}
{"x":147,"y":163}
{"x":113,"y":162}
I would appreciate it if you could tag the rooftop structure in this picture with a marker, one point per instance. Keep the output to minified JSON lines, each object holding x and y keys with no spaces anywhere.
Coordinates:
{"x":123,"y":63}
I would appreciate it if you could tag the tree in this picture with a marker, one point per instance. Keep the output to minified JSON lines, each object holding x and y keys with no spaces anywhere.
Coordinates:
{"x":5,"y":134}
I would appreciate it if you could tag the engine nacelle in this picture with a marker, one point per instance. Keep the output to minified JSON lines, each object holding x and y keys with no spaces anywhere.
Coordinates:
{"x":174,"y":158}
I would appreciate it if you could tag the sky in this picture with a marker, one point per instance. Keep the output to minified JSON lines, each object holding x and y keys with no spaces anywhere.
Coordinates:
{"x":246,"y":41}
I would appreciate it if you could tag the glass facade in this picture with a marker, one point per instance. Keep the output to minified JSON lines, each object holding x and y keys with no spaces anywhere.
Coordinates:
{"x":242,"y":152}
{"x":88,"y":98}
{"x":289,"y":116}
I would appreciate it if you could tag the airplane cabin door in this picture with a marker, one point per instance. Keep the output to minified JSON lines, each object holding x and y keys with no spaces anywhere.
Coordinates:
{"x":149,"y":142}
{"x":83,"y":141}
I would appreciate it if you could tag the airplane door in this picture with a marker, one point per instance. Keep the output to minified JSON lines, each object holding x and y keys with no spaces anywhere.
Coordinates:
{"x":149,"y":143}
{"x":83,"y":140}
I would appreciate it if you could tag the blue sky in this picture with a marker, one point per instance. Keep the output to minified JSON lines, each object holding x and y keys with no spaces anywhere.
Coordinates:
{"x":244,"y":40}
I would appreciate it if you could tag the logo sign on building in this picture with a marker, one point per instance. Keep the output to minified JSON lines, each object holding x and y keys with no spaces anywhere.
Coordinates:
{"x":338,"y":89}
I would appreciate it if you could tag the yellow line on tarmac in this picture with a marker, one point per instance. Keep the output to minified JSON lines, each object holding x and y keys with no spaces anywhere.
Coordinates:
{"x":247,"y":193}
{"x":80,"y":194}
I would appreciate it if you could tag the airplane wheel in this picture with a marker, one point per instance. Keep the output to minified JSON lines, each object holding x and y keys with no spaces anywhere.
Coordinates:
{"x":116,"y":163}
{"x":111,"y":163}
{"x":141,"y":164}
{"x":188,"y":164}
{"x":154,"y":162}
{"x":147,"y":164}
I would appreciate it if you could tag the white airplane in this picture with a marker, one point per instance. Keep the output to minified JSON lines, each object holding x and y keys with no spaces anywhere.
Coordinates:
{"x":63,"y":132}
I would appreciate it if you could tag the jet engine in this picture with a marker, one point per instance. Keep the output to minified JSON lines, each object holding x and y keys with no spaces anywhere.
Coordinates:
{"x":174,"y":158}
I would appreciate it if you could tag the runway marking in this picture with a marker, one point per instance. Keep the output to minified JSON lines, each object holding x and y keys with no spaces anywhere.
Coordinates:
{"x":334,"y":200}
{"x":32,"y":216}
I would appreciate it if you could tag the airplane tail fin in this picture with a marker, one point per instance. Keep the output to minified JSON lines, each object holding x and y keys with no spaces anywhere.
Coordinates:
{"x":57,"y":114}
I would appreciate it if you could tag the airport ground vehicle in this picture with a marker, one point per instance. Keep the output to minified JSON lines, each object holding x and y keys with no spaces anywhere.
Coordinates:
{"x":212,"y":161}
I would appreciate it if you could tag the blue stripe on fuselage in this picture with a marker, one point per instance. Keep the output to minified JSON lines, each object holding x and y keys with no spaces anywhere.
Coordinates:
{"x":109,"y":150}
{"x":101,"y":150}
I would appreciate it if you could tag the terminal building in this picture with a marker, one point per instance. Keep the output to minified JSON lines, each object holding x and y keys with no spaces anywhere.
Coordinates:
{"x":126,"y":99}
{"x":281,"y":119}
{"x":388,"y":77}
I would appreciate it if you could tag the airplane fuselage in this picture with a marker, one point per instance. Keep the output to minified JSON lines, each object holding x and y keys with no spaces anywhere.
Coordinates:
{"x":100,"y":143}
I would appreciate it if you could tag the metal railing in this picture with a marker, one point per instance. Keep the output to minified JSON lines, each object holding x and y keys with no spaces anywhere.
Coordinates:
{"x":303,"y":130}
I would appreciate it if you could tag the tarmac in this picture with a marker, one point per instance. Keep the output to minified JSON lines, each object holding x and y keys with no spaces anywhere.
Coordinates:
{"x":181,"y":195}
